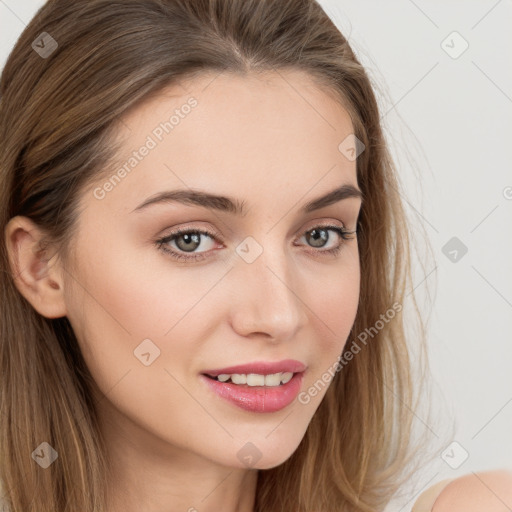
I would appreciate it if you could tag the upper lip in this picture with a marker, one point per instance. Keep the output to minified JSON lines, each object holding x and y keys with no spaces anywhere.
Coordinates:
{"x":261,"y":368}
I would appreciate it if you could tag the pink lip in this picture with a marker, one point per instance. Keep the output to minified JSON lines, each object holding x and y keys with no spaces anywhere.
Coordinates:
{"x":261,"y":368}
{"x":257,"y":398}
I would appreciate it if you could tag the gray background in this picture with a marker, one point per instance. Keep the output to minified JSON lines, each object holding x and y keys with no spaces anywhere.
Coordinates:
{"x":447,"y":114}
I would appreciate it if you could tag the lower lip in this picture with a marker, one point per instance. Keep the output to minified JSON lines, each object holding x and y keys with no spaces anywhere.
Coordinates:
{"x":258,"y":398}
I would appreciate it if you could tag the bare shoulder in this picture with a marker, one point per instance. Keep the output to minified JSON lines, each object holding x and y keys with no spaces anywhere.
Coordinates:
{"x":486,"y":491}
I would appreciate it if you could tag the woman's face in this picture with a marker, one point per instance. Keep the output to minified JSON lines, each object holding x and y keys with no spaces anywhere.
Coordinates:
{"x":263,"y":290}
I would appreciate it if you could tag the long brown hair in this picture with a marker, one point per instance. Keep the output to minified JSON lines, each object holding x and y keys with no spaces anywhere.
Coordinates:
{"x":58,"y":115}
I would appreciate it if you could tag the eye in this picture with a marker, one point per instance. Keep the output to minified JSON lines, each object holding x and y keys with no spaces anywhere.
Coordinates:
{"x":319,"y":235}
{"x":188,"y":240}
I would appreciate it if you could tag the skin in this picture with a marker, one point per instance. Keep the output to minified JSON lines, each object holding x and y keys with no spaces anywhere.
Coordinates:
{"x":270,"y":140}
{"x":489,"y":491}
{"x":173,"y":443}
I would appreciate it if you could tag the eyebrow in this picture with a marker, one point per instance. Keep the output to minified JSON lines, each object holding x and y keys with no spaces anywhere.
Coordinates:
{"x":233,"y":206}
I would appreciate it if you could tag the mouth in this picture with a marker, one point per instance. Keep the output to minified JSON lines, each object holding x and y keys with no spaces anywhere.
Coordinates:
{"x":258,"y":372}
{"x":254,"y":379}
{"x":257,"y":387}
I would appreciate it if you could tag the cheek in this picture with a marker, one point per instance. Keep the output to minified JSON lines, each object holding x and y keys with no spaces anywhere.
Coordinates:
{"x":333,"y":312}
{"x":122,"y":303}
{"x":127,"y":296}
{"x":135,"y":293}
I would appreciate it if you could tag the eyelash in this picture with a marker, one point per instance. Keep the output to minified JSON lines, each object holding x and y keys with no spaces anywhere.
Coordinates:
{"x":344,"y":233}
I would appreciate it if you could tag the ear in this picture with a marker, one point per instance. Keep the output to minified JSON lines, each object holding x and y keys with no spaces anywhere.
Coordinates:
{"x":37,"y":274}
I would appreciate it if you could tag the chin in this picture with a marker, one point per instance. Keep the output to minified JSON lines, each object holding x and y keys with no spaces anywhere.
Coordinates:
{"x":265,"y":454}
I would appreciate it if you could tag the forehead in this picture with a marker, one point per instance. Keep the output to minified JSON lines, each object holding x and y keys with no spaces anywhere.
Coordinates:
{"x":238,"y":135}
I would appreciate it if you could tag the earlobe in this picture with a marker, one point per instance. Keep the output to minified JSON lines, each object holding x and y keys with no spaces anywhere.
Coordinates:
{"x":37,"y":274}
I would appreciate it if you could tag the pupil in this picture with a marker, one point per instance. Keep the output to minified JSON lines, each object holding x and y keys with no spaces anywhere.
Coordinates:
{"x":316,"y":234}
{"x":189,"y":238}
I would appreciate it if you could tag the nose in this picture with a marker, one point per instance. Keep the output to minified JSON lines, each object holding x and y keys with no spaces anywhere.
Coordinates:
{"x":268,"y":297}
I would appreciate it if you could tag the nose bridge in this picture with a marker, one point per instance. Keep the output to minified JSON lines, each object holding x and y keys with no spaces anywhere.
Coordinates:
{"x":267,"y":297}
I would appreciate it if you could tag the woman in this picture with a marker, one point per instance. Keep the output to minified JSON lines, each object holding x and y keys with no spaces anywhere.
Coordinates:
{"x":256,"y":370}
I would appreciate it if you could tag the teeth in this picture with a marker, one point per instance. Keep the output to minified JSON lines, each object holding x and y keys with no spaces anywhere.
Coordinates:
{"x":254,"y":379}
{"x":286,"y":377}
{"x":273,"y":380}
{"x":238,"y":378}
